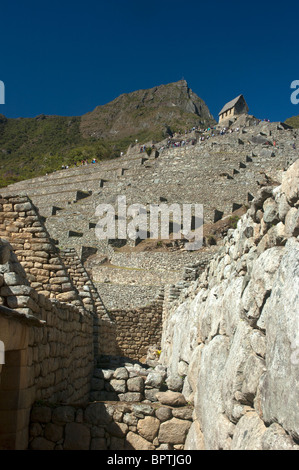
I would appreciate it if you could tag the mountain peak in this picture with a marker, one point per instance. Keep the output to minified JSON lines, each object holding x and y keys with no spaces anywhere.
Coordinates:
{"x":173,"y":106}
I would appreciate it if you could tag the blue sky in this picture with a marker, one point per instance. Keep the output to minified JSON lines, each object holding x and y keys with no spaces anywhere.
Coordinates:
{"x":66,"y":57}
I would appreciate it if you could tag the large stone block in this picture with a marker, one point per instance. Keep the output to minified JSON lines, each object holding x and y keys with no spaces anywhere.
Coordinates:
{"x":174,"y":431}
{"x":248,"y":433}
{"x":135,"y":442}
{"x":195,"y":439}
{"x":148,"y":427}
{"x":77,"y":437}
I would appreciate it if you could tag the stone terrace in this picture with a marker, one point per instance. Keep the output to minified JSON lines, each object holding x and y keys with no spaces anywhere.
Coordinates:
{"x":221,"y":172}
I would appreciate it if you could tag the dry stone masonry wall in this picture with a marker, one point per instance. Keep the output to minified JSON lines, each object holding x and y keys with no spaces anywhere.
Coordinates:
{"x":233,"y":334}
{"x":230,"y":325}
{"x":221,"y":172}
{"x":60,"y":354}
{"x":103,"y":426}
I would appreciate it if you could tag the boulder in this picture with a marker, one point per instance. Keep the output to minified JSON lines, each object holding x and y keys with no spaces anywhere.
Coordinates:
{"x":174,"y":431}
{"x":135,"y":442}
{"x":77,"y":437}
{"x":148,"y":427}
{"x":171,"y":398}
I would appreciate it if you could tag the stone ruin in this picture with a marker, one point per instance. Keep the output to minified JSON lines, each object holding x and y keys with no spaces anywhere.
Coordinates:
{"x":79,"y":316}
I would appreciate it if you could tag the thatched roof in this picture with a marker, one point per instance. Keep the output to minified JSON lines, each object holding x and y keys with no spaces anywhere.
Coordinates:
{"x":230,"y":104}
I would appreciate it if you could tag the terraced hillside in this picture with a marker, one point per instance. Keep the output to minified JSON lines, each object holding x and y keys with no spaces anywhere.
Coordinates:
{"x":37,"y":146}
{"x":222,"y":172}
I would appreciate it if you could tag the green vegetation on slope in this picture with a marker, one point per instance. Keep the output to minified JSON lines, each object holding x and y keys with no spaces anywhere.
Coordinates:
{"x":293,"y":121}
{"x":31,"y":147}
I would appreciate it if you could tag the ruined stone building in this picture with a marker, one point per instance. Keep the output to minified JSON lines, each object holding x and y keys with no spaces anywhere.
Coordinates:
{"x":221,"y":323}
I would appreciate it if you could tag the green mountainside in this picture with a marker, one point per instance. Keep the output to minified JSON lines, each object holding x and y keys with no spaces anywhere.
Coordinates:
{"x":293,"y":121}
{"x":32,"y":147}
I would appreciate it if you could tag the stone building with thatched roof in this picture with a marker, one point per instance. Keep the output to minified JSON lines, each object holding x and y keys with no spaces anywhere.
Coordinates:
{"x":234,"y":107}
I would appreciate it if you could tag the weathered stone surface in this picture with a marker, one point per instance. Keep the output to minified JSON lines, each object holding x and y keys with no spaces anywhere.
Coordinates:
{"x":194,"y":366}
{"x":77,"y":437}
{"x":248,"y":433}
{"x":130,"y":419}
{"x":290,"y":183}
{"x":97,"y":384}
{"x":118,"y":385}
{"x":41,"y":414}
{"x":130,"y":396}
{"x":275,"y":438}
{"x":164,"y":447}
{"x":163,"y":413}
{"x":270,"y":212}
{"x":281,"y":322}
{"x":63,"y":414}
{"x":13,"y":279}
{"x":142,"y":410}
{"x":40,"y":443}
{"x":117,"y":443}
{"x":171,"y":398}
{"x":233,"y":372}
{"x":174,"y":431}
{"x":105,"y":374}
{"x":148,"y":427}
{"x":135,"y":384}
{"x":174,"y":383}
{"x":98,"y":413}
{"x":195,"y":438}
{"x":183,"y":413}
{"x":5,"y":252}
{"x":154,"y":380}
{"x":283,"y":207}
{"x":253,"y":369}
{"x":260,"y":284}
{"x":292,"y":222}
{"x":241,"y":314}
{"x":135,"y":442}
{"x":98,"y":443}
{"x":121,"y":373}
{"x":53,"y":432}
{"x":117,"y":429}
{"x":66,"y":296}
{"x":26,"y":206}
{"x":209,"y":389}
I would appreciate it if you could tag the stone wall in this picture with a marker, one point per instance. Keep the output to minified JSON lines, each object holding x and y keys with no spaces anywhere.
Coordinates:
{"x":107,"y":426}
{"x":36,"y":252}
{"x":59,"y":274}
{"x":16,"y":391}
{"x":233,"y":333}
{"x":138,"y":328}
{"x":60,"y":355}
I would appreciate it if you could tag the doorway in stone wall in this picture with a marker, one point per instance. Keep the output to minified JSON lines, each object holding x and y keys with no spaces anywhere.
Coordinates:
{"x":15,"y":401}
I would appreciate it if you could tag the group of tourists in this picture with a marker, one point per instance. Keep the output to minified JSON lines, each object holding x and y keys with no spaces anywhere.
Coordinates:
{"x":76,"y":164}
